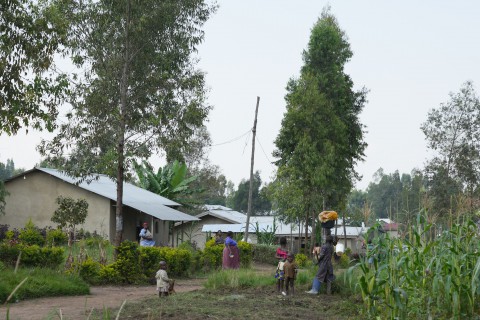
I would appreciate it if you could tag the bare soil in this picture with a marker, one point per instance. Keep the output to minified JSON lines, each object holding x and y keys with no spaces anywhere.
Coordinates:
{"x":79,"y":307}
{"x":100,"y":298}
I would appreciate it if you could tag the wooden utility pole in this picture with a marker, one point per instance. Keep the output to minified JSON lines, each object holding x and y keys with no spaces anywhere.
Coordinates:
{"x":250,"y":191}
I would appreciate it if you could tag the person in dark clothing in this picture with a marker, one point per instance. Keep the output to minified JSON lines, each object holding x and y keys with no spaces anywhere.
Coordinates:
{"x":325,"y":268}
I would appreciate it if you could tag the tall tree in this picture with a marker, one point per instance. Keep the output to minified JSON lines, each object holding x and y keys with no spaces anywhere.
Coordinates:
{"x":260,"y":203}
{"x":31,"y":32}
{"x":140,"y":93}
{"x":453,"y":133}
{"x":211,"y":183}
{"x":321,"y":138}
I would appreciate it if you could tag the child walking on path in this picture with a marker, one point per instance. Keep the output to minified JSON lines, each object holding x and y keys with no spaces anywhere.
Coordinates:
{"x":290,"y":269}
{"x":163,"y":282}
{"x":280,"y":276}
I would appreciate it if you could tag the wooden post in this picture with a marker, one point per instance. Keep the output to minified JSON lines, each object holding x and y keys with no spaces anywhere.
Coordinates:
{"x":250,"y":191}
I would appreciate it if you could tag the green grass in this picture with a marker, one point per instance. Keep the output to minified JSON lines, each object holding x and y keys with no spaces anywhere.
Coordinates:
{"x":40,"y":283}
{"x":258,"y":302}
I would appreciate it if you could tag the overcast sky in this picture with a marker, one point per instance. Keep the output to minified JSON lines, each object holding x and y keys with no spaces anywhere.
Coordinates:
{"x":409,"y":54}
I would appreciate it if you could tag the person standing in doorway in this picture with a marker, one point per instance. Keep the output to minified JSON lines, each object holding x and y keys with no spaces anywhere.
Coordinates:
{"x":146,"y":237}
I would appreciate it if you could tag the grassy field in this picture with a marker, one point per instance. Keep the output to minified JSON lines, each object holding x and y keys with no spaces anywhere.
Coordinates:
{"x":243,"y":295}
{"x":248,"y":303}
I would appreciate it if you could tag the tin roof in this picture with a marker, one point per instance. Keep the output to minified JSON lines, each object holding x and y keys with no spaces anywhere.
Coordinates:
{"x":133,"y":196}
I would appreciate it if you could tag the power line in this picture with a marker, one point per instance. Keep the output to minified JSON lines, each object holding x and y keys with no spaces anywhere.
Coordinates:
{"x":264,"y":153}
{"x":232,"y":140}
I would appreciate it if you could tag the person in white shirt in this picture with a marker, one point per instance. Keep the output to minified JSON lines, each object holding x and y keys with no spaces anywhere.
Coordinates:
{"x":146,"y":237}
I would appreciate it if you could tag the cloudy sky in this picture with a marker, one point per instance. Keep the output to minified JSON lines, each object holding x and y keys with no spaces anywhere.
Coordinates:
{"x":409,"y":54}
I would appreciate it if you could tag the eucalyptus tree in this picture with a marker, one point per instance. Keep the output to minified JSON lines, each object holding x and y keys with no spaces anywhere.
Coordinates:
{"x":31,"y":32}
{"x":452,"y":131}
{"x":321,"y":137}
{"x":138,"y":91}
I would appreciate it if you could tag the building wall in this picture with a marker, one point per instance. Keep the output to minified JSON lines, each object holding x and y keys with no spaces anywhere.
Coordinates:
{"x":34,"y":195}
{"x":194,"y":231}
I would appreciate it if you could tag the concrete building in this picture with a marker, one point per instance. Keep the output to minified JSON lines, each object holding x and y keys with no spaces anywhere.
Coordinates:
{"x":33,"y":194}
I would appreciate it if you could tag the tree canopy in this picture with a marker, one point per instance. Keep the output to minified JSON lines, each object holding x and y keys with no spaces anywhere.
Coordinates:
{"x":452,"y":131}
{"x":31,"y":33}
{"x":321,"y":137}
{"x":139,"y":93}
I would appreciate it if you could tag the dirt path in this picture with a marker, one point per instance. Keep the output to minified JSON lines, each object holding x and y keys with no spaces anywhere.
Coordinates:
{"x":79,"y":307}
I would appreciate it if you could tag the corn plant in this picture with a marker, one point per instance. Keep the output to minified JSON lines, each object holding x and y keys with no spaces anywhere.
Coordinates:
{"x":421,"y":276}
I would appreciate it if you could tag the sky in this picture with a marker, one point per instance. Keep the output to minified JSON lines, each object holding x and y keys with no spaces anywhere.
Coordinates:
{"x":409,"y":54}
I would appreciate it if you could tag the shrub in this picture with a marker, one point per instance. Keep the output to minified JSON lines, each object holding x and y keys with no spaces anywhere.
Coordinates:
{"x":212,"y":255}
{"x":34,"y":256}
{"x":127,"y":264}
{"x":30,"y":235}
{"x":301,"y":260}
{"x":10,"y":235}
{"x":108,"y":274}
{"x":344,"y":261}
{"x":3,"y":231}
{"x":9,"y":253}
{"x":56,"y":237}
{"x":246,"y":254}
{"x":264,"y":254}
{"x":89,"y":270}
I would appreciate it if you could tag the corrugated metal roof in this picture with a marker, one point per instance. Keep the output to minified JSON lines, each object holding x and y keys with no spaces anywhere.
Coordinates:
{"x":133,"y":196}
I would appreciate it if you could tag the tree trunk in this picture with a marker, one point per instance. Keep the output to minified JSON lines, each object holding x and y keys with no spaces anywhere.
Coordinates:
{"x":306,"y":230}
{"x":121,"y":136}
{"x":314,"y":231}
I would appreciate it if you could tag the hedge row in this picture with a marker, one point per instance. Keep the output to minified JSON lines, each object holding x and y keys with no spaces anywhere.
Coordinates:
{"x":136,"y":264}
{"x":32,"y":256}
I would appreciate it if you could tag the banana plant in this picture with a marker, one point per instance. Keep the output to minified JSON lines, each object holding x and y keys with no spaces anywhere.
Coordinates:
{"x":170,"y":182}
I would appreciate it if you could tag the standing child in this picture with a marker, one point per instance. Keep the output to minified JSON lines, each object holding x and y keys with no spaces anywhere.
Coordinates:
{"x":280,"y":276}
{"x":163,"y":282}
{"x":290,"y":269}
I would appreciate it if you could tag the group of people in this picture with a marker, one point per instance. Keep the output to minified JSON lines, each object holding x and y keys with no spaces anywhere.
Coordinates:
{"x":287,"y":268}
{"x":286,"y":271}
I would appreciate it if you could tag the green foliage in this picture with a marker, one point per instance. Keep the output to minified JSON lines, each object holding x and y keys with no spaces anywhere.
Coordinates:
{"x":32,"y":256}
{"x":170,"y":181}
{"x":343,"y":262}
{"x":89,"y":271}
{"x":260,"y":203}
{"x":246,"y":254}
{"x":40,"y":283}
{"x":126,"y":265}
{"x":265,"y":254}
{"x":301,"y":260}
{"x":30,"y":36}
{"x":421,"y":277}
{"x":30,"y":235}
{"x":140,"y":78}
{"x":70,"y":212}
{"x":267,"y":235}
{"x":212,"y":255}
{"x":237,"y":279}
{"x":56,"y":237}
{"x":211,"y":184}
{"x":321,"y":137}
